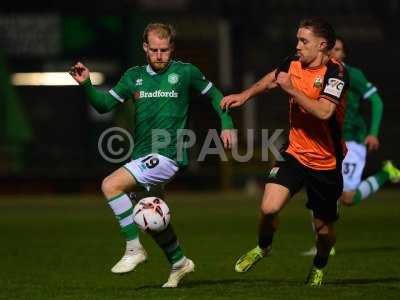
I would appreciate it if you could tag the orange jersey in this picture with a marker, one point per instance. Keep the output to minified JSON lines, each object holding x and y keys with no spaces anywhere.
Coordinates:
{"x":317,"y":143}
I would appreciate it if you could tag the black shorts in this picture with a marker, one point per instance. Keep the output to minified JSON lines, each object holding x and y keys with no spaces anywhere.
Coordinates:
{"x":323,"y":187}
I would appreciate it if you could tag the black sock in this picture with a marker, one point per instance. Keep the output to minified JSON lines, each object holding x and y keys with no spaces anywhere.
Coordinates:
{"x":266,"y":230}
{"x":320,"y":262}
{"x":168,"y":242}
{"x":264,"y":239}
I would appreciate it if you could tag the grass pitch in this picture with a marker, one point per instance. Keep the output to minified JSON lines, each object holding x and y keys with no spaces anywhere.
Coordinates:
{"x":62,"y":247}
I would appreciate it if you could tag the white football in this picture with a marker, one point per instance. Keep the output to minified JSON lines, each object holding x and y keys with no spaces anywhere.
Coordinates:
{"x":151,"y":214}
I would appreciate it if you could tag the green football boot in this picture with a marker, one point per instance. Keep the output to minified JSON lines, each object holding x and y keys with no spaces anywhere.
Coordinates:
{"x":248,"y":260}
{"x":315,"y":276}
{"x":393,"y":172}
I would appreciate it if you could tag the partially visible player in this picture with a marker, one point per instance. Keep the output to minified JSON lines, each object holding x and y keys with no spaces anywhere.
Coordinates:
{"x":316,"y":86}
{"x":160,"y":92}
{"x":359,"y":139}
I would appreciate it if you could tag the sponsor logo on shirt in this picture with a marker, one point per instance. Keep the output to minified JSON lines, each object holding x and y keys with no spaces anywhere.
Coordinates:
{"x":139,"y":81}
{"x":334,"y":87}
{"x":156,"y":94}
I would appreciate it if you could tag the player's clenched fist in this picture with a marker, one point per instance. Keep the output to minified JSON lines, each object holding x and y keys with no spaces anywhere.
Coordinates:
{"x":284,"y":81}
{"x":79,"y":72}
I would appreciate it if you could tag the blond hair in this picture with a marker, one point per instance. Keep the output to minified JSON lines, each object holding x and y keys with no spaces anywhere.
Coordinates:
{"x":163,"y":31}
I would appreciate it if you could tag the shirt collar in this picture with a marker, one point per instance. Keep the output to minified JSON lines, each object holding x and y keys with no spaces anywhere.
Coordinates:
{"x":151,"y":72}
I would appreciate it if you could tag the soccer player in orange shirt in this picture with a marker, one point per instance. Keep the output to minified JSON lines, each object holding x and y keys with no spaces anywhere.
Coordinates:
{"x":316,"y":85}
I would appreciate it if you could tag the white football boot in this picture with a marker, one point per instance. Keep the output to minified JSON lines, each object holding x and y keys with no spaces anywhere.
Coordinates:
{"x":178,"y":273}
{"x":129,"y":261}
{"x":313,"y":252}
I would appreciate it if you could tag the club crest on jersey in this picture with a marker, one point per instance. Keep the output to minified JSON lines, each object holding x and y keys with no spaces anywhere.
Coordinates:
{"x":173,"y":78}
{"x":139,"y":81}
{"x":318,"y":82}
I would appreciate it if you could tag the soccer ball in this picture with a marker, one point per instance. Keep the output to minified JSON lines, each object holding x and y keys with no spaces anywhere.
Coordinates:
{"x":151,"y":214}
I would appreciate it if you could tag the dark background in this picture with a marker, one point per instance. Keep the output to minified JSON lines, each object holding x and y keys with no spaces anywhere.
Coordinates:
{"x":60,"y":153}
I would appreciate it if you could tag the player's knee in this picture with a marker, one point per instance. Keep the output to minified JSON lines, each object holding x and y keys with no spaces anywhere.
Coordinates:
{"x":325,"y":232}
{"x":274,"y":198}
{"x":269,"y":207}
{"x":108,"y":187}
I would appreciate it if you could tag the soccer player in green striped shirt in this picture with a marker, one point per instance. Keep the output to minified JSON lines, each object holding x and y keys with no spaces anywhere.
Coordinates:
{"x":160,"y":92}
{"x":359,"y":139}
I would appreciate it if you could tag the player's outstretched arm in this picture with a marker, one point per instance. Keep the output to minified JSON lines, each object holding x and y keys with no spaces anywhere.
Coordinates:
{"x":206,"y":88}
{"x":264,"y":84}
{"x":228,"y":134}
{"x":103,"y":102}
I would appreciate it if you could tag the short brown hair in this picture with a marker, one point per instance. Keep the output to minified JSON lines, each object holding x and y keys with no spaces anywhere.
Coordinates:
{"x":320,"y":28}
{"x":163,"y":31}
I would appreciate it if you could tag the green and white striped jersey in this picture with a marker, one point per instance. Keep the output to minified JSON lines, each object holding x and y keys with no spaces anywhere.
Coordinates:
{"x":161,"y":101}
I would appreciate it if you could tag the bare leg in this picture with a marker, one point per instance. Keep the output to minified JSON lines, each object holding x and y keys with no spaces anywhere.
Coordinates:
{"x":274,"y":199}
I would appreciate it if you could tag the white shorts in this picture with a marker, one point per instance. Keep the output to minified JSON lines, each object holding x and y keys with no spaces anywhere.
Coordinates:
{"x":353,"y":165}
{"x":152,"y":169}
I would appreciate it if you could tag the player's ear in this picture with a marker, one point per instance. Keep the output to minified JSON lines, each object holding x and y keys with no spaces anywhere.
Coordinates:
{"x":323,"y":45}
{"x":145,"y":47}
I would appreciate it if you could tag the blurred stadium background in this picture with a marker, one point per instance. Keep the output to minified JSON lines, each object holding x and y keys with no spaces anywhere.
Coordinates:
{"x":49,"y":134}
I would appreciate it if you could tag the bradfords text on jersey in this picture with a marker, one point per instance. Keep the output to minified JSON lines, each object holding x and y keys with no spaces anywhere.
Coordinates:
{"x":158,"y":94}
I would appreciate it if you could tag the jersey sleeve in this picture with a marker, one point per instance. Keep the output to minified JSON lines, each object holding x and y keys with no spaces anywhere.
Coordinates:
{"x":361,"y":84}
{"x":122,"y":91}
{"x":101,"y":101}
{"x":285,"y":65}
{"x":335,"y":83}
{"x":198,"y":81}
{"x":200,"y":84}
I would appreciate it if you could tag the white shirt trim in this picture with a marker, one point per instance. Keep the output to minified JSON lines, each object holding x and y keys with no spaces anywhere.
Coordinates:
{"x":150,"y":70}
{"x":116,"y":96}
{"x":207,"y":88}
{"x":370,"y":92}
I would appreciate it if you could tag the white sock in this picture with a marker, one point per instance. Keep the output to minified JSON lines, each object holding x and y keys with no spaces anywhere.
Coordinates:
{"x":133,"y":245}
{"x":123,"y":211}
{"x":368,"y":186}
{"x":180,"y":263}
